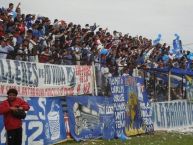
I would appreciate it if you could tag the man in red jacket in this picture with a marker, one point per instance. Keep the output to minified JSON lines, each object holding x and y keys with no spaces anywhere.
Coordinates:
{"x":12,"y":124}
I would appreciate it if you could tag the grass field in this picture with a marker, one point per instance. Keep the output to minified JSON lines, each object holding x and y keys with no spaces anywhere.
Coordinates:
{"x":158,"y":138}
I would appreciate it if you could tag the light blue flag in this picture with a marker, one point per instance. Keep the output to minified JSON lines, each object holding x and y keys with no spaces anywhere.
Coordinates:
{"x":157,"y":40}
{"x":177,"y":44}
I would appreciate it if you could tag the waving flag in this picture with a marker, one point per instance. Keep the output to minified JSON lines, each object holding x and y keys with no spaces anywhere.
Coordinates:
{"x":157,"y":40}
{"x":177,"y":46}
{"x":177,"y":43}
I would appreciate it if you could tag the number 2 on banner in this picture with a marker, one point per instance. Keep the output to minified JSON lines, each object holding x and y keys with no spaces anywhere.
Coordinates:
{"x":31,"y":139}
{"x":39,"y":125}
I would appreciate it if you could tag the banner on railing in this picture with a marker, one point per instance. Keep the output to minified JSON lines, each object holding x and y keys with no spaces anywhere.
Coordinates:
{"x":173,"y":114}
{"x":44,"y":123}
{"x":131,"y":106}
{"x":118,"y":94}
{"x":38,"y":79}
{"x":133,"y":114}
{"x":145,"y":107}
{"x":138,"y":110}
{"x":91,"y":117}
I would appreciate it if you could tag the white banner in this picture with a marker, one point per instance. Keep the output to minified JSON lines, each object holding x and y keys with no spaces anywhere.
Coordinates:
{"x":38,"y":79}
{"x":172,"y":115}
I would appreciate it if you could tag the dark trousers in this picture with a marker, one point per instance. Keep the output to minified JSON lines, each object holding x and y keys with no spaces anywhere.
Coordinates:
{"x":14,"y":137}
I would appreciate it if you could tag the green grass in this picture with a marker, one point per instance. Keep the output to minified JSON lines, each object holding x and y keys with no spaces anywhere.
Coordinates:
{"x":158,"y":138}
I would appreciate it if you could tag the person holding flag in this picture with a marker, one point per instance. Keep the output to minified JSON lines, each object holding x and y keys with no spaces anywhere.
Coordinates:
{"x":177,"y":46}
{"x":157,"y":40}
{"x":177,"y":43}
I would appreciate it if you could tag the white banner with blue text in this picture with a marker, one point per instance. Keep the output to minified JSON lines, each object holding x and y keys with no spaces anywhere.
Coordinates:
{"x":172,"y":115}
{"x":38,"y":79}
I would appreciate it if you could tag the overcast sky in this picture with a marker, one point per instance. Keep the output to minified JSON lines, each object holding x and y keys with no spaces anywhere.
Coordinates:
{"x":137,"y":17}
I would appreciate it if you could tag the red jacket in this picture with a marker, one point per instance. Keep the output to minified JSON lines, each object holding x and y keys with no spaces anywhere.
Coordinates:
{"x":11,"y":122}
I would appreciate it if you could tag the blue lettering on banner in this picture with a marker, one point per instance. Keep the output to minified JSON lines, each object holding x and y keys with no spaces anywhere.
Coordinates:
{"x":2,"y":71}
{"x":10,"y":76}
{"x":190,"y":112}
{"x":37,"y":79}
{"x":34,"y":70}
{"x":18,"y":72}
{"x":118,"y":93}
{"x":24,"y":72}
{"x":29,"y":68}
{"x":47,"y":76}
{"x":169,"y":115}
{"x":28,"y":74}
{"x":44,"y":123}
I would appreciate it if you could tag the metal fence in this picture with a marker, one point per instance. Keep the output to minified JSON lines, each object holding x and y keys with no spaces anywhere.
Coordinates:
{"x":160,"y":85}
{"x":166,"y":86}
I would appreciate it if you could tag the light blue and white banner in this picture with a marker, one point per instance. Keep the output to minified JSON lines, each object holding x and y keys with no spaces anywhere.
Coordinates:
{"x":44,"y":123}
{"x":172,"y":115}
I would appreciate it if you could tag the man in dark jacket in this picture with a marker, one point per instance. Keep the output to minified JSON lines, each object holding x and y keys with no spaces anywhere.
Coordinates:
{"x":12,"y":124}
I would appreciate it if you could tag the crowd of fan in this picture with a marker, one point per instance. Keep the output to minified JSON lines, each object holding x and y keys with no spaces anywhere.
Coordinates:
{"x":34,"y":38}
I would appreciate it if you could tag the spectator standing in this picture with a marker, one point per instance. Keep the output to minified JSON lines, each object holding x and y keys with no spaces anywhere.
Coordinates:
{"x":12,"y":124}
{"x":5,"y":49}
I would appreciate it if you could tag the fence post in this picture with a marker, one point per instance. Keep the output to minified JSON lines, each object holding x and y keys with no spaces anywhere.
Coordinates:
{"x":144,"y":77}
{"x":154,"y":87}
{"x":95,"y":91}
{"x":169,"y":85}
{"x":182,"y":87}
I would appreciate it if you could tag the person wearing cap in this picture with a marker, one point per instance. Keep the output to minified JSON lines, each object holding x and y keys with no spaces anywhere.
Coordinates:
{"x":12,"y":124}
